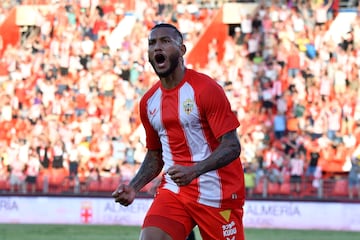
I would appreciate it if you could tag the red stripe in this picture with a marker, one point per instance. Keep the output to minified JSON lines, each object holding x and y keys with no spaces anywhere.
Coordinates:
{"x":171,"y":122}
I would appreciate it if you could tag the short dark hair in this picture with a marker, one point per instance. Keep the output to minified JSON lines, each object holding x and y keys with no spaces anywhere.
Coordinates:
{"x":168,"y":25}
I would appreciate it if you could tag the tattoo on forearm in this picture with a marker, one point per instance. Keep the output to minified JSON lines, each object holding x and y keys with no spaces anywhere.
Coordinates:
{"x":150,"y":168}
{"x":228,"y":150}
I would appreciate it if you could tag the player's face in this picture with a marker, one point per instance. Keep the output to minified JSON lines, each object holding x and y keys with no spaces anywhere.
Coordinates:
{"x":164,"y":51}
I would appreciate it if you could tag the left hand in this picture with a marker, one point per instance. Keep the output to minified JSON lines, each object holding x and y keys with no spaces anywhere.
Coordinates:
{"x":182,"y":175}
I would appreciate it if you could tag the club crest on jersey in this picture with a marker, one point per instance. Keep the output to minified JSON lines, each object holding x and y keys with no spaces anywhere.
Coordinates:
{"x":188,"y":105}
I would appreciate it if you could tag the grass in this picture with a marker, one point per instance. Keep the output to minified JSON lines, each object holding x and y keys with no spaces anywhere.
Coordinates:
{"x":96,"y":232}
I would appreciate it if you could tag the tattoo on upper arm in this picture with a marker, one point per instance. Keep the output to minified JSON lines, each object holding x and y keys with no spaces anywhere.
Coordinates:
{"x":230,"y":139}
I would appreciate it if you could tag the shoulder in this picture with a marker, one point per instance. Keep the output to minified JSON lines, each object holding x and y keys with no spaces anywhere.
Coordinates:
{"x":201,"y":81}
{"x":192,"y":74}
{"x":149,"y":93}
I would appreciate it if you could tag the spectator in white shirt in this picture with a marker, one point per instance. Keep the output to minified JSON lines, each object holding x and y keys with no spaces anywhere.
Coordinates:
{"x":296,"y":172}
{"x":32,"y":171}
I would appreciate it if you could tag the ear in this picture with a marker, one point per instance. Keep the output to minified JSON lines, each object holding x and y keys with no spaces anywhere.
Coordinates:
{"x":183,"y":49}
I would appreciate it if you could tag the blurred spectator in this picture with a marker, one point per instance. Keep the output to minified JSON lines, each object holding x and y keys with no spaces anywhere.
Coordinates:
{"x":32,"y":171}
{"x":17,"y":168}
{"x":93,"y":175}
{"x":73,"y":158}
{"x":354,"y":177}
{"x":130,"y":152}
{"x":297,"y":167}
{"x":293,"y":62}
{"x":259,"y":166}
{"x":333,"y":121}
{"x":313,"y":160}
{"x":274,"y":173}
{"x":249,"y":149}
{"x":58,"y":153}
{"x":321,"y":9}
{"x":267,"y":98}
{"x":127,"y":171}
{"x":43,"y":150}
{"x":4,"y":171}
{"x":274,"y":159}
{"x":279,"y":124}
{"x":250,"y":179}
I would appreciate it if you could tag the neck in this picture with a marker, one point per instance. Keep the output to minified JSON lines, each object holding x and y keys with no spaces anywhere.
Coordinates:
{"x":173,"y":79}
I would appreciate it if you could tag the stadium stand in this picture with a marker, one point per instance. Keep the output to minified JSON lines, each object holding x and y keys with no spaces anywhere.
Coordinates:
{"x":71,"y":76}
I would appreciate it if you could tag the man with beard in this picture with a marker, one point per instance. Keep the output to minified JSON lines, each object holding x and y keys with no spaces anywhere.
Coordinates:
{"x":191,"y":138}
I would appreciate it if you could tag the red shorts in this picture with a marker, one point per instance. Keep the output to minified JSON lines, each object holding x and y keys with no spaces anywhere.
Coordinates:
{"x":178,"y":217}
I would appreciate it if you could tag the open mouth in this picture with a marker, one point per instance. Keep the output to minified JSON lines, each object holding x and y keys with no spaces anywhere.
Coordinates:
{"x":160,"y":59}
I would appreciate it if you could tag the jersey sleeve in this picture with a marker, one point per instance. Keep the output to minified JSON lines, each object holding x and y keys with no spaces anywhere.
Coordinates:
{"x":217,"y":110}
{"x":152,"y":138}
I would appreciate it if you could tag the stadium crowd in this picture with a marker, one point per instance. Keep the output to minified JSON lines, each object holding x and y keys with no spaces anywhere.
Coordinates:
{"x":69,"y":100}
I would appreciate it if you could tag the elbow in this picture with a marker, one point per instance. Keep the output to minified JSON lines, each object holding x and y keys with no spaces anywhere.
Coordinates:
{"x":230,"y":144}
{"x":235,"y":149}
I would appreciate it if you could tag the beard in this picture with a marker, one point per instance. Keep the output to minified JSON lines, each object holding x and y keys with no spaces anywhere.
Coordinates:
{"x":174,"y":62}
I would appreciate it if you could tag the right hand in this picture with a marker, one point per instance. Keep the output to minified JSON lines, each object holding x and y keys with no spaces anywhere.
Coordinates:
{"x":124,"y":194}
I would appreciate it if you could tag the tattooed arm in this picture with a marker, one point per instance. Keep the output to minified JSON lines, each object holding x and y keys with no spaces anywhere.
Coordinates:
{"x":228,"y":150}
{"x":150,"y":168}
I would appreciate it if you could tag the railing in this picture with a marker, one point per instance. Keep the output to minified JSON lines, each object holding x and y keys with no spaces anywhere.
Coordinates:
{"x":325,"y":189}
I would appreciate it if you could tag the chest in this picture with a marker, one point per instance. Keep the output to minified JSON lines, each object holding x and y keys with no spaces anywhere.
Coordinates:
{"x":174,"y":110}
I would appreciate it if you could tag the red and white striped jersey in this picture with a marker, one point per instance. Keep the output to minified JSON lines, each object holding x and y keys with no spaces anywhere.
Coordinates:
{"x":186,"y":123}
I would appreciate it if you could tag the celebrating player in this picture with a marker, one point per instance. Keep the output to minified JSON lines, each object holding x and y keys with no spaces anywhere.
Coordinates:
{"x":191,"y":136}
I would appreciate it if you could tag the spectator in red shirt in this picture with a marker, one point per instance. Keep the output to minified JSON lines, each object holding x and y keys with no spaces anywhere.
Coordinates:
{"x":99,"y":25}
{"x":293,"y":62}
{"x":81,"y":104}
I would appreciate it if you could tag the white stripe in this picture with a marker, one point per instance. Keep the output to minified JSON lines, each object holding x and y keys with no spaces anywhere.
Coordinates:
{"x":209,"y":183}
{"x":171,"y":185}
{"x":210,"y":191}
{"x":190,"y":120}
{"x":154,"y":115}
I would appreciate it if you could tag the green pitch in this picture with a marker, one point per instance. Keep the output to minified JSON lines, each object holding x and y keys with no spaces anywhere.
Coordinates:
{"x":91,"y":232}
